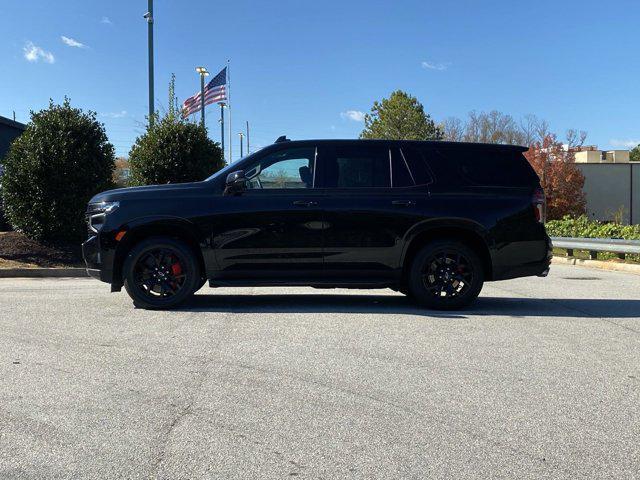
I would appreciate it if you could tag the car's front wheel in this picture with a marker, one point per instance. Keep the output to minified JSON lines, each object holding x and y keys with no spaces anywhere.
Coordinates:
{"x":446,"y":275}
{"x":160,"y":272}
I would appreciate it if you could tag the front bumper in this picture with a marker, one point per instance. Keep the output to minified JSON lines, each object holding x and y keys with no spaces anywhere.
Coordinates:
{"x":94,"y":260}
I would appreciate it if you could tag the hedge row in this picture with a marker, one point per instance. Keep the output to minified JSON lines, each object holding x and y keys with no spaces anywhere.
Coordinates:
{"x":64,"y":158}
{"x":583,"y":227}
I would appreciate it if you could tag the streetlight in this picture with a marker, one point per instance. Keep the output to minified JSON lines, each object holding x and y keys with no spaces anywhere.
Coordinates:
{"x":241,"y":136}
{"x":203,"y":73}
{"x":149,"y":18}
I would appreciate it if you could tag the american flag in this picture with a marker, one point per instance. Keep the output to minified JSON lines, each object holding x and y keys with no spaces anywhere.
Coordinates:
{"x":214,"y":92}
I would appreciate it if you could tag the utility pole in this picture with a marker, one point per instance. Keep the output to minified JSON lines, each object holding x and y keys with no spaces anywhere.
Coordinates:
{"x":248,"y":148}
{"x":203,"y":73}
{"x":222,"y":127}
{"x":241,"y":136}
{"x":149,"y":18}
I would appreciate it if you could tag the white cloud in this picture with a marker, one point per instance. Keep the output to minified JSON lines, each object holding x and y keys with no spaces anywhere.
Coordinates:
{"x":71,"y":42}
{"x":354,"y":115}
{"x":33,"y":53}
{"x":435,"y":66}
{"x":624,"y":143}
{"x":121,"y":114}
{"x":106,"y":21}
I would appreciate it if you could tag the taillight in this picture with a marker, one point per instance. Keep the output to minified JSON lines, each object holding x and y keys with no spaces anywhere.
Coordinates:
{"x":539,"y":201}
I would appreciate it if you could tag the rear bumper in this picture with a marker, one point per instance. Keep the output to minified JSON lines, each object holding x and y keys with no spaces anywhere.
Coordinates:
{"x":539,"y":268}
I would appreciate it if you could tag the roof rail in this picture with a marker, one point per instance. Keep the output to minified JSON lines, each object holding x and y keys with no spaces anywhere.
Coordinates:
{"x":281,"y":139}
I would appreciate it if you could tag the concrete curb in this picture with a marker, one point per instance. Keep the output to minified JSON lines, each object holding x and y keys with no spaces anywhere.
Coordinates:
{"x":599,"y":264}
{"x":43,"y":272}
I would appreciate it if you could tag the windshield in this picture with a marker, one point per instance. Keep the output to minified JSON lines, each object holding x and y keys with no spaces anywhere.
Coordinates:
{"x":231,"y":167}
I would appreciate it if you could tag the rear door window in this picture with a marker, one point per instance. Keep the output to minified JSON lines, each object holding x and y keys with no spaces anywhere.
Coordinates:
{"x":400,"y":174}
{"x":418,"y":166}
{"x":358,"y":167}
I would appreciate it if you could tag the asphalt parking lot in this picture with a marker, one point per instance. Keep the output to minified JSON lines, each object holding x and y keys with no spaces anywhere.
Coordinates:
{"x":540,"y":379}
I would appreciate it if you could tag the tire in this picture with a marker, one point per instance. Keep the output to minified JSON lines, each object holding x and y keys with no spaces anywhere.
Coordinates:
{"x":446,"y":275}
{"x":160,"y":273}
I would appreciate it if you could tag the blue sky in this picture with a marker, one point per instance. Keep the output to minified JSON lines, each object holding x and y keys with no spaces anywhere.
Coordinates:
{"x":299,"y":67}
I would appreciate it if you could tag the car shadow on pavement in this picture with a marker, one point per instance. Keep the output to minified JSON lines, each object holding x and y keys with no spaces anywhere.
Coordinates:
{"x":399,"y":304}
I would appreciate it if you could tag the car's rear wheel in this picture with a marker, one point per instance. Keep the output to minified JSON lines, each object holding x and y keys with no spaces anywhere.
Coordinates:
{"x":446,"y":275}
{"x":160,"y":272}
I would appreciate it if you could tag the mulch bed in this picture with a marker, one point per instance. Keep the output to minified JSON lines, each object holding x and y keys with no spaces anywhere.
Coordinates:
{"x":17,"y":247}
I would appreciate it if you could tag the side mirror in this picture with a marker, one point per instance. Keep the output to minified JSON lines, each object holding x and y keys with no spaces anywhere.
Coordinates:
{"x":236,"y":183}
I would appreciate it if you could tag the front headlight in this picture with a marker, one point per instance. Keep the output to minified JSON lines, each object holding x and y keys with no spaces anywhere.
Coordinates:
{"x":96,"y":213}
{"x":102,"y":207}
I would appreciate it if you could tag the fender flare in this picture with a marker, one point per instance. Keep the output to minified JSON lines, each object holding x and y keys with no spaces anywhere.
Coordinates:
{"x":142,"y":227}
{"x":444,"y":226}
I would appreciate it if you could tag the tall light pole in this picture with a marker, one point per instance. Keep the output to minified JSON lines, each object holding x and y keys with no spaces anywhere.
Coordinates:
{"x":149,"y":17}
{"x":203,"y":73}
{"x":241,"y":135}
{"x":248,"y":148}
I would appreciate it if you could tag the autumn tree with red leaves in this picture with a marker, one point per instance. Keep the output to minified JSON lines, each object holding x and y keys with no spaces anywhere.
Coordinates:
{"x":561,"y":179}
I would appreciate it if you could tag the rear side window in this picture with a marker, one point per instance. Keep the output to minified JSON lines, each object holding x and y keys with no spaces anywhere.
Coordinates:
{"x":481,"y":166}
{"x":357,"y":167}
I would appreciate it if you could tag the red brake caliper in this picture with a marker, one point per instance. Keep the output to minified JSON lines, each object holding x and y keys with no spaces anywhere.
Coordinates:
{"x":176,"y":268}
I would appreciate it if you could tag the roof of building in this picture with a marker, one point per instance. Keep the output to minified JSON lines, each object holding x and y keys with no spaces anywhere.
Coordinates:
{"x":12,"y":123}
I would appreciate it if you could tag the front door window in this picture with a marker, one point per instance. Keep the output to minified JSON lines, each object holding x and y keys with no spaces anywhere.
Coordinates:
{"x":285,"y":169}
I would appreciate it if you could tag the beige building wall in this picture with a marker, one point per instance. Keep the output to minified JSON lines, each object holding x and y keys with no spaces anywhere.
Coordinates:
{"x":588,"y":156}
{"x":598,"y":156}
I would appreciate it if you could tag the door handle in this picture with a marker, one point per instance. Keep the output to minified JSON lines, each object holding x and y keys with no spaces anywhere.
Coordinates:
{"x":403,"y":203}
{"x":305,"y":203}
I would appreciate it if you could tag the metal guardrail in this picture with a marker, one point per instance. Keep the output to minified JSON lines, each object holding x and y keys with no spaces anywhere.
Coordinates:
{"x":595,"y":245}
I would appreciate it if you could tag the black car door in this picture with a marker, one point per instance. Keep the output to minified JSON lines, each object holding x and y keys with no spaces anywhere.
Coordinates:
{"x":273,"y":228}
{"x":371,"y":202}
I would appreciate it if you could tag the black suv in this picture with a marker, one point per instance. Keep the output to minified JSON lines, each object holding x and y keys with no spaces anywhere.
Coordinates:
{"x":433,"y":220}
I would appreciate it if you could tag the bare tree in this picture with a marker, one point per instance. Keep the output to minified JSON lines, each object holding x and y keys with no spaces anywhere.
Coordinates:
{"x":542,"y":130}
{"x":529,"y":126}
{"x":492,"y":127}
{"x":501,"y":128}
{"x":576,"y":138}
{"x":453,"y":129}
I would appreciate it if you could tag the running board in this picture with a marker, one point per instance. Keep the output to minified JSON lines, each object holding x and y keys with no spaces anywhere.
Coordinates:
{"x":292,"y":282}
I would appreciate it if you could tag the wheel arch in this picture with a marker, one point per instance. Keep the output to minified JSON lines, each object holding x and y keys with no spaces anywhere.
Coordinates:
{"x":141,"y":229}
{"x":466,"y":232}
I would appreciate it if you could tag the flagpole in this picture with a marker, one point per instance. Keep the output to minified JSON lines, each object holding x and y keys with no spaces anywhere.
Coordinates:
{"x":222,"y":128}
{"x":229,"y":108}
{"x":202,"y":98}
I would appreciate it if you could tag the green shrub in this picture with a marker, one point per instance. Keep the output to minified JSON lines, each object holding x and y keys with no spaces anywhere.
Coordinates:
{"x":583,"y":227}
{"x":173,"y":151}
{"x":53,"y":169}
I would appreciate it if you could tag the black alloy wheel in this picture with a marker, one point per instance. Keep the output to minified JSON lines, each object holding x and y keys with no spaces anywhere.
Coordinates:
{"x":446,"y":275}
{"x":161,"y":273}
